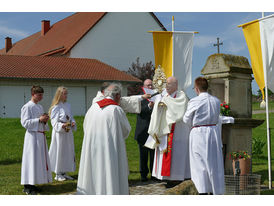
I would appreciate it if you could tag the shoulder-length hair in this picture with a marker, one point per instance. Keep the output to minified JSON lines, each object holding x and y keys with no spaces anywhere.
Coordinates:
{"x":57,"y":97}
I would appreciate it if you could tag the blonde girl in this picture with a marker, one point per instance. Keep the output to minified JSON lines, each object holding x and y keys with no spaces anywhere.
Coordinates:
{"x":61,"y":152}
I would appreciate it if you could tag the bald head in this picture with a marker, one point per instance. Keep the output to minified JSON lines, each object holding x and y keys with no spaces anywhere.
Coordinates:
{"x":171,"y":85}
{"x":148,"y":84}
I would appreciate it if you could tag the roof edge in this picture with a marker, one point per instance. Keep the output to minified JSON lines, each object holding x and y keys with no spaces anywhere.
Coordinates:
{"x":74,"y":80}
{"x":158,"y":21}
{"x":68,"y":49}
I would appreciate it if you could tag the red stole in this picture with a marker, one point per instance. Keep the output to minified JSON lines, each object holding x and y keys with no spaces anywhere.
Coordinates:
{"x":166,"y":162}
{"x":106,"y":102}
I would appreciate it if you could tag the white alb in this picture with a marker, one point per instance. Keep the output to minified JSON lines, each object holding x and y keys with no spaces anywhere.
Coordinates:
{"x":103,"y":165}
{"x":35,"y":160}
{"x":61,"y":151}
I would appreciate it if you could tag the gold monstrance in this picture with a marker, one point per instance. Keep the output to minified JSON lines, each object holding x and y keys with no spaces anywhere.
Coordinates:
{"x":159,"y":79}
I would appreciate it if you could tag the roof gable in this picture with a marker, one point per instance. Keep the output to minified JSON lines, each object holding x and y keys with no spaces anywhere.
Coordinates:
{"x":61,"y":37}
{"x":63,"y":34}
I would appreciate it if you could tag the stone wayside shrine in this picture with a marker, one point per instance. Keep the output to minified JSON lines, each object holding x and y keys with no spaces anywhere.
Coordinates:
{"x":229,"y":79}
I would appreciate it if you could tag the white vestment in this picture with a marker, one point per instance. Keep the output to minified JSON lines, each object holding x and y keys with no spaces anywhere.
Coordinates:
{"x":61,"y":151}
{"x":206,"y":156}
{"x":160,"y":125}
{"x":131,"y":104}
{"x":104,"y":166}
{"x":35,"y":160}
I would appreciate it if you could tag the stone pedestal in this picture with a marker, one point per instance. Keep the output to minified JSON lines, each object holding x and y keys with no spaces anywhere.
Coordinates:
{"x":229,"y":79}
{"x":238,"y":136}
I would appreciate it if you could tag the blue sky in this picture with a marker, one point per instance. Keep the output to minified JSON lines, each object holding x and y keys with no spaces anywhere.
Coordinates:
{"x":210,"y":25}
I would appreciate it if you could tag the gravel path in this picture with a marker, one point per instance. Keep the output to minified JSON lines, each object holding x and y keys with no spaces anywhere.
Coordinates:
{"x":261,"y":111}
{"x":147,"y":188}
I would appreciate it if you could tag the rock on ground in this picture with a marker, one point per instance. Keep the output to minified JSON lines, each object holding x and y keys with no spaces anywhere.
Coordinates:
{"x":185,"y":188}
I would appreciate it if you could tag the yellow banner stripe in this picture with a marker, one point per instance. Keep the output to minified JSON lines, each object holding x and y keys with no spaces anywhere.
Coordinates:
{"x":253,"y":40}
{"x":163,"y":51}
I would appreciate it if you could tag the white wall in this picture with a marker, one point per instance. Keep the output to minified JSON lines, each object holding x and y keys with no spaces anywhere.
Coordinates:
{"x":12,"y":98}
{"x":77,"y":100}
{"x":118,"y":39}
{"x":14,"y":94}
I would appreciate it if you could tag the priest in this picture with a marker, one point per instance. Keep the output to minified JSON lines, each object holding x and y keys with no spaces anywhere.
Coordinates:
{"x":131,"y":104}
{"x":103,"y":166}
{"x":170,"y":133}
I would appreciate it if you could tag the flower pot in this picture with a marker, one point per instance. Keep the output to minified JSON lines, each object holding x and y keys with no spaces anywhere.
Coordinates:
{"x":244,"y":166}
{"x":245,"y":169}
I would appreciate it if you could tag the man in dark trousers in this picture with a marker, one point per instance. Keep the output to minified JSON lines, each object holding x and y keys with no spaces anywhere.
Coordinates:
{"x":141,"y":134}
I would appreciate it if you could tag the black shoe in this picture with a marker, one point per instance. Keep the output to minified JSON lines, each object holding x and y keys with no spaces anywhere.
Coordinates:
{"x":36,"y":189}
{"x":29,"y":191}
{"x":26,"y":190}
{"x":144,"y":179}
{"x":171,"y":184}
{"x":33,"y":192}
{"x":154,"y":179}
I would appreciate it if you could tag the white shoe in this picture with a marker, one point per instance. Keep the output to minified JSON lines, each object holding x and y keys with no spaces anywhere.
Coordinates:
{"x":60,"y":178}
{"x":68,"y":177}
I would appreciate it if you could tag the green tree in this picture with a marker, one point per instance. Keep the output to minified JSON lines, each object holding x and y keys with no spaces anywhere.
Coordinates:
{"x":141,"y":71}
{"x":259,"y":92}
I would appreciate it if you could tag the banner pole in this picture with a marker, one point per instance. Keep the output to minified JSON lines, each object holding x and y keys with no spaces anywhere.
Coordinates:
{"x":267,"y":127}
{"x":173,"y":46}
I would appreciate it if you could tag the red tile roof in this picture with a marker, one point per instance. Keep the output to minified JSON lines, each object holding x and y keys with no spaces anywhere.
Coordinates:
{"x":65,"y":33}
{"x":61,"y":37}
{"x":34,"y":67}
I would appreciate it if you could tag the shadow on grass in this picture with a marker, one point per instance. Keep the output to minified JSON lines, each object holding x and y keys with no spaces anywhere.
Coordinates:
{"x":264,"y":175}
{"x":57,"y":188}
{"x":267,"y":192}
{"x":133,"y":181}
{"x":9,"y":161}
{"x":257,"y":158}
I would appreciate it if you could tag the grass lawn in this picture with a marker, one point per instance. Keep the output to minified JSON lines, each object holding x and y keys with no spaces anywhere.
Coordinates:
{"x":12,"y":139}
{"x":260,"y":164}
{"x":11,"y":148}
{"x":256,"y":106}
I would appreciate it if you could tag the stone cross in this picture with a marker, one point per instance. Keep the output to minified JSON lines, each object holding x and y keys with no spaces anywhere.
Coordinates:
{"x":218,"y":45}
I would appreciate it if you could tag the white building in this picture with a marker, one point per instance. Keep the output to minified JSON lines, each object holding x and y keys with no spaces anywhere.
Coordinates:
{"x":114,"y":38}
{"x":82,"y":77}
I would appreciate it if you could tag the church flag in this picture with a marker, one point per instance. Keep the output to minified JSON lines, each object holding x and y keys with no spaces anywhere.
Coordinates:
{"x":260,"y":42}
{"x":173,"y":52}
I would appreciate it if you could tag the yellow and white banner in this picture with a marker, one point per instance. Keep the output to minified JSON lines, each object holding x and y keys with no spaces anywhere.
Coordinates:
{"x":259,"y":35}
{"x":173,"y":52}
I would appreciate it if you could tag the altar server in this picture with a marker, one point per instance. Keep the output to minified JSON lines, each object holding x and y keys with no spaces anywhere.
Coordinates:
{"x":61,"y":152}
{"x":35,"y":160}
{"x":206,"y":156}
